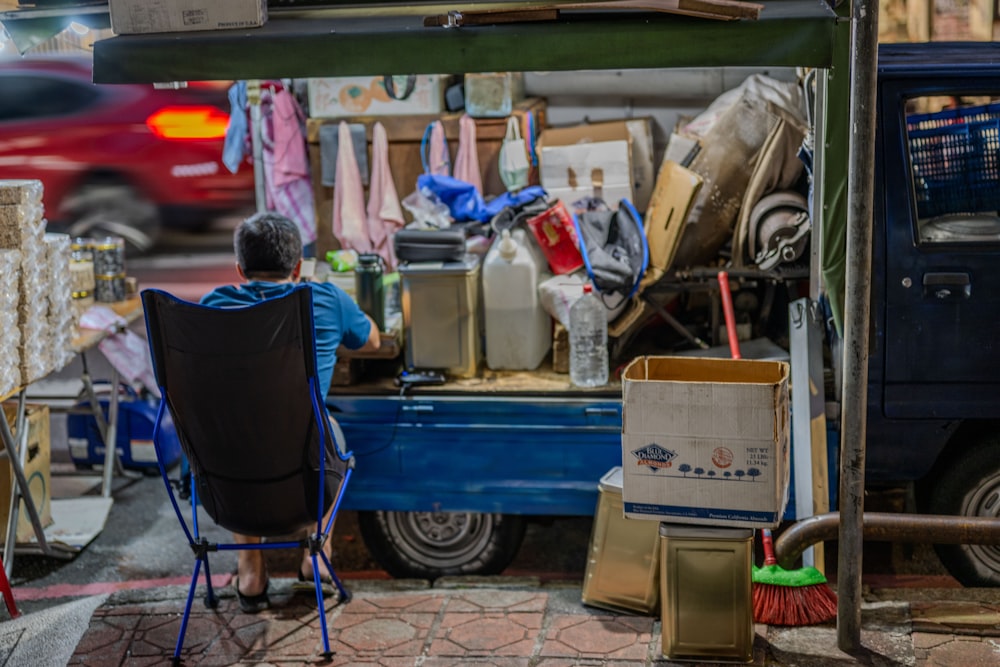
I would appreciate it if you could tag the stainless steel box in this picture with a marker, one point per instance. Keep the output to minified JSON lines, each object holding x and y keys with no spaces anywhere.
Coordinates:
{"x":623,"y":564}
{"x":440,"y":302}
{"x":706,"y":593}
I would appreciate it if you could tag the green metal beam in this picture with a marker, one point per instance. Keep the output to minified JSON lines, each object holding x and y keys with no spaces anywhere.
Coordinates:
{"x":788,"y":33}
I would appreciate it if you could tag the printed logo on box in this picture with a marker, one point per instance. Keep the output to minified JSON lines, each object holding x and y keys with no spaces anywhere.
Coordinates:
{"x":654,"y":456}
{"x":194,"y":16}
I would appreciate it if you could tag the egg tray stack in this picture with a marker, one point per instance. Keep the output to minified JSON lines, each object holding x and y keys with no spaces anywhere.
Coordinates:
{"x":62,"y":315}
{"x":10,"y":334}
{"x":22,"y":228}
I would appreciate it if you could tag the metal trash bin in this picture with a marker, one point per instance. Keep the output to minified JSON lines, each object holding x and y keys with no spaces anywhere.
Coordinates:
{"x":623,"y":564}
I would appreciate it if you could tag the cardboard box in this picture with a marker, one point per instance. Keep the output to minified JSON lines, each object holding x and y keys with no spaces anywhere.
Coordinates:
{"x":345,"y":96}
{"x":146,"y":16}
{"x":673,"y":196}
{"x":705,"y":441}
{"x":612,"y":160}
{"x":36,"y":469}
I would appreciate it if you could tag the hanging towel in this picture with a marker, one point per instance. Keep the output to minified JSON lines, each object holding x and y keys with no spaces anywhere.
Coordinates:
{"x":438,"y":159}
{"x":288,"y":186}
{"x":234,"y":149}
{"x":349,"y":216}
{"x":467,"y":158}
{"x":385,"y":215}
{"x":328,"y":144}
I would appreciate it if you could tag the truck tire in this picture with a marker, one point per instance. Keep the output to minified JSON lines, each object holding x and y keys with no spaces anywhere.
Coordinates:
{"x":428,"y":545}
{"x":970,"y":487}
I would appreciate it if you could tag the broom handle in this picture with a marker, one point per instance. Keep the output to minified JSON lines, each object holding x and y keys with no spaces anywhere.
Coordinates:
{"x":768,"y":542}
{"x":729,"y":314}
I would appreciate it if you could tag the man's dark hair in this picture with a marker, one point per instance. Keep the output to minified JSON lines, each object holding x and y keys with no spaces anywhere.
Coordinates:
{"x":268,"y":245}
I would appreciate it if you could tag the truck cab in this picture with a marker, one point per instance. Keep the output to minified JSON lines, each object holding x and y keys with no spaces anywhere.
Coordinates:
{"x":448,"y":475}
{"x":934,"y":371}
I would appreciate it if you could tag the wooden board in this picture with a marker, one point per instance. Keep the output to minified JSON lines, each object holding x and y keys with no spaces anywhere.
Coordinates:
{"x":723,"y":10}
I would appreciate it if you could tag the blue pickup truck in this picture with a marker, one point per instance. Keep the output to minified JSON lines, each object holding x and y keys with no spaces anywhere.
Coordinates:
{"x":448,"y":476}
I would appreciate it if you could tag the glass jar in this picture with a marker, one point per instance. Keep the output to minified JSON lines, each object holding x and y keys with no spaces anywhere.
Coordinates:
{"x":81,"y":268}
{"x":109,"y":256}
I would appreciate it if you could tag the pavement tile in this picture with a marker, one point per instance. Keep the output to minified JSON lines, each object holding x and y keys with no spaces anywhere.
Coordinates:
{"x":483,"y":635}
{"x":965,"y":617}
{"x":105,"y":637}
{"x":928,"y":640}
{"x":964,"y":652}
{"x":509,"y":601}
{"x":413,"y":602}
{"x":387,"y":635}
{"x":477,"y":662}
{"x":608,"y":637}
{"x":594,"y":662}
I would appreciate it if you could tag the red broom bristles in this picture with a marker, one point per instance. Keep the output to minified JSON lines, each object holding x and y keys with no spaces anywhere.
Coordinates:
{"x":794,"y":604}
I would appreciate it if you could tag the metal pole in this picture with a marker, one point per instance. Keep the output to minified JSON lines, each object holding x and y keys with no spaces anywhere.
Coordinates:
{"x":857,"y":307}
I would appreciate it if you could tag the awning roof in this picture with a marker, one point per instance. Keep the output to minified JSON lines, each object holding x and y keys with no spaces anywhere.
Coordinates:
{"x":391,"y":39}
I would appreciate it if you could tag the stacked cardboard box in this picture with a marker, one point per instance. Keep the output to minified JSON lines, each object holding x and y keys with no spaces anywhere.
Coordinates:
{"x":61,"y":315}
{"x":37,"y":463}
{"x":22,"y":228}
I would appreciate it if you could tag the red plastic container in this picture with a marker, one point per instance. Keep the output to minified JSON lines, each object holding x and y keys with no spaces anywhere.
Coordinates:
{"x":556,"y":236}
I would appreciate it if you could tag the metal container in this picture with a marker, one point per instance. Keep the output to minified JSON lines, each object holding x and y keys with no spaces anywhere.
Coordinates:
{"x":623,"y":563}
{"x":441,"y":316}
{"x":368,"y":289}
{"x":706,"y":593}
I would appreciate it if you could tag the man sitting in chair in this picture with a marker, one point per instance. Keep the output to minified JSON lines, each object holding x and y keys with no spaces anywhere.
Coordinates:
{"x":268,"y":257}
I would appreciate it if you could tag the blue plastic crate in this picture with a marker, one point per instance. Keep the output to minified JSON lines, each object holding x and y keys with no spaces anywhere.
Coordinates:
{"x":955,"y":156}
{"x":134,"y":436}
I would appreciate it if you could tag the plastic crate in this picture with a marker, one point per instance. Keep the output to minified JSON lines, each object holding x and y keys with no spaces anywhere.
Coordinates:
{"x":134,"y":437}
{"x":955,"y":155}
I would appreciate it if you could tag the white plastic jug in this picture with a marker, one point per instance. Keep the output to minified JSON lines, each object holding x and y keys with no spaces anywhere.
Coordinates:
{"x":518,"y":330}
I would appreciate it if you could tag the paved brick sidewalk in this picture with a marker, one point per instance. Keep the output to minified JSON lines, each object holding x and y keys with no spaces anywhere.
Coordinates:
{"x":499,"y":622}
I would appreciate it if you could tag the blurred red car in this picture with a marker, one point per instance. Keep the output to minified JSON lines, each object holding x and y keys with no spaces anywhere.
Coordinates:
{"x":117,"y":159}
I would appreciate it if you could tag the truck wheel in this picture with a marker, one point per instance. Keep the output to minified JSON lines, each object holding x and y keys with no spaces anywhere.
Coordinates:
{"x":971,"y":487}
{"x":428,"y":545}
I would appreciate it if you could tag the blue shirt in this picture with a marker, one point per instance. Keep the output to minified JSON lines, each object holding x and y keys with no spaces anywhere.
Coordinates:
{"x":336,"y":317}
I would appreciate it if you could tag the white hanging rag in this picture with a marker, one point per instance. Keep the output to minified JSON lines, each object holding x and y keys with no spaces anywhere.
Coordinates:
{"x":349,"y":216}
{"x":385,"y":215}
{"x":467,"y":159}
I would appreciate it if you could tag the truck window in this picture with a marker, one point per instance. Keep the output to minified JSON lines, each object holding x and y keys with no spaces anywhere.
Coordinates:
{"x":954,"y":157}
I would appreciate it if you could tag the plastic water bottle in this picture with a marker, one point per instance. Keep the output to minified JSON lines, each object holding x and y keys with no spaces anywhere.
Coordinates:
{"x":588,"y":341}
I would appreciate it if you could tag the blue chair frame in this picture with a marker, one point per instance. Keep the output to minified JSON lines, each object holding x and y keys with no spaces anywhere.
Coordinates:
{"x":194,"y":325}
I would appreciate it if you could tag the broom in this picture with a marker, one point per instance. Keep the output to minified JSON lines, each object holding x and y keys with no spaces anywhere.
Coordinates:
{"x":780,"y":597}
{"x":790,"y":597}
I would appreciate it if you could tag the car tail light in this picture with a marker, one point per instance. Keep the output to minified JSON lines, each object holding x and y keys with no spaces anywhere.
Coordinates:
{"x":197,"y":122}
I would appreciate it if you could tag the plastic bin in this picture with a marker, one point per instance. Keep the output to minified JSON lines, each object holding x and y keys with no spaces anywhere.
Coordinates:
{"x":134,"y":436}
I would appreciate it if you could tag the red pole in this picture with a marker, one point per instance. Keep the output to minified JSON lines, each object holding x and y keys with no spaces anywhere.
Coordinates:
{"x":730,"y":315}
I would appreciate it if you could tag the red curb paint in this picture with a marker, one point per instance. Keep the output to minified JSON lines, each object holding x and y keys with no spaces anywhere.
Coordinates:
{"x":81,"y":590}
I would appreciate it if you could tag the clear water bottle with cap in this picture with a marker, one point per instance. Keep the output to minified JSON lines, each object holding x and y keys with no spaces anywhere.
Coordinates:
{"x":588,"y":341}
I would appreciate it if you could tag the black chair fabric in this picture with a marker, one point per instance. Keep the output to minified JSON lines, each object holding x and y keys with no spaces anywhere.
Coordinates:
{"x":237,"y":384}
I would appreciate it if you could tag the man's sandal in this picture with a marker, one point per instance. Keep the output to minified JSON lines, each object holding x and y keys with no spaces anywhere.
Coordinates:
{"x":252,"y":604}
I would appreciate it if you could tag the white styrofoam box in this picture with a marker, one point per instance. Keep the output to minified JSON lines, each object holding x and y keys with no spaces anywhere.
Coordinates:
{"x":344,"y":96}
{"x":705,"y":441}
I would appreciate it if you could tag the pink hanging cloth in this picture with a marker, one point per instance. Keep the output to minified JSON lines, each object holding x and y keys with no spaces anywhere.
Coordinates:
{"x":288,"y":186}
{"x":349,"y":216}
{"x":438,"y":159}
{"x":385,"y":215}
{"x":467,"y":159}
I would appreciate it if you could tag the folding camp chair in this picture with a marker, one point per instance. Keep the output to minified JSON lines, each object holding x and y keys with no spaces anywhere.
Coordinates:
{"x":241,"y":387}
